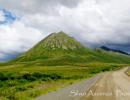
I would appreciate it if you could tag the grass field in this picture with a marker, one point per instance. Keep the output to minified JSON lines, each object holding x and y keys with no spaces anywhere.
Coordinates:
{"x":19,"y":82}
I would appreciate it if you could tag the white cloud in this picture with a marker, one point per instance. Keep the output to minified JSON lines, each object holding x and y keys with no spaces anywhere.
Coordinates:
{"x":96,"y":22}
{"x":2,"y":17}
{"x":17,"y":38}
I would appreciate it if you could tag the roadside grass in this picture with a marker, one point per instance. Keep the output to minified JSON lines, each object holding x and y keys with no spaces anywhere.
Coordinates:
{"x":128,"y":71}
{"x":18,"y":82}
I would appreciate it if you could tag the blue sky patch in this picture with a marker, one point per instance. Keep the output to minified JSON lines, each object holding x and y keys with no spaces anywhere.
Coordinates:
{"x":9,"y":17}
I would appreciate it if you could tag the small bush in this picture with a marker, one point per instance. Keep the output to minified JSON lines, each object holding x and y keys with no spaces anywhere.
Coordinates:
{"x":55,"y":76}
{"x":21,"y":88}
{"x":3,"y":77}
{"x":11,"y":83}
{"x":28,"y":76}
{"x":37,"y":74}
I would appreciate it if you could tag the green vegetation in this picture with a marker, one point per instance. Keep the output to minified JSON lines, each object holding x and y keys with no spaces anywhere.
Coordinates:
{"x":54,"y":62}
{"x":61,"y":49}
{"x":128,"y":71}
{"x":25,"y":83}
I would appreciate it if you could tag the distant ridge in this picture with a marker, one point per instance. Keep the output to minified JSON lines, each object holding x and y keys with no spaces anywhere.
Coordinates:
{"x":113,"y":50}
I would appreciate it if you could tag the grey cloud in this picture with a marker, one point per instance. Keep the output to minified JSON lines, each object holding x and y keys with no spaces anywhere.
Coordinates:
{"x":37,"y":6}
{"x":93,"y":22}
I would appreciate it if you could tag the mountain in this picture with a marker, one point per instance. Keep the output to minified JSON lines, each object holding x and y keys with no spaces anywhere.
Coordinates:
{"x":60,"y":41}
{"x":55,"y":45}
{"x":113,"y":50}
{"x":62,"y":49}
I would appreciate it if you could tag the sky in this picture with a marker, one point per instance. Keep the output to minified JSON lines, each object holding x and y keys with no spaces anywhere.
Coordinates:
{"x":93,"y":22}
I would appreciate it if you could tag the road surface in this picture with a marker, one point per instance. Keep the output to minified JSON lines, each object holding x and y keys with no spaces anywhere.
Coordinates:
{"x":112,"y":86}
{"x":107,"y":86}
{"x":67,"y":92}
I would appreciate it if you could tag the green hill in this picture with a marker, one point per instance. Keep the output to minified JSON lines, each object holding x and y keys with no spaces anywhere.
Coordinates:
{"x":61,"y":49}
{"x":54,"y":45}
{"x":56,"y":61}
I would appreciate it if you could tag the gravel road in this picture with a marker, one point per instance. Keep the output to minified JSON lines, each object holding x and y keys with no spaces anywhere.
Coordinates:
{"x":70,"y":92}
{"x":107,"y":86}
{"x":113,"y":86}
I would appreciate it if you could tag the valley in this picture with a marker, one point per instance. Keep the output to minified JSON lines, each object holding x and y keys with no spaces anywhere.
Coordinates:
{"x":54,"y":63}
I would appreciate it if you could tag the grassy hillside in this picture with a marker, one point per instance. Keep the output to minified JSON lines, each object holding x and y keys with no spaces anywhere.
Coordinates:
{"x":61,"y":49}
{"x":54,"y":45}
{"x":56,"y":61}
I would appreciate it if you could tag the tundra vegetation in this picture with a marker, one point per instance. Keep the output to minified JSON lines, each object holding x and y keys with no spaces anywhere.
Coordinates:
{"x":55,"y":62}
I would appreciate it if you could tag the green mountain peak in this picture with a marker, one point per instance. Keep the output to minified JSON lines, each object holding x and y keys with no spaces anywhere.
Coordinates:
{"x":54,"y":45}
{"x":62,"y":49}
{"x":60,"y":40}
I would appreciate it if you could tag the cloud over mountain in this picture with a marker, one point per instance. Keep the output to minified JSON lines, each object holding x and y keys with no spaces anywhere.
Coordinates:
{"x":96,"y":22}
